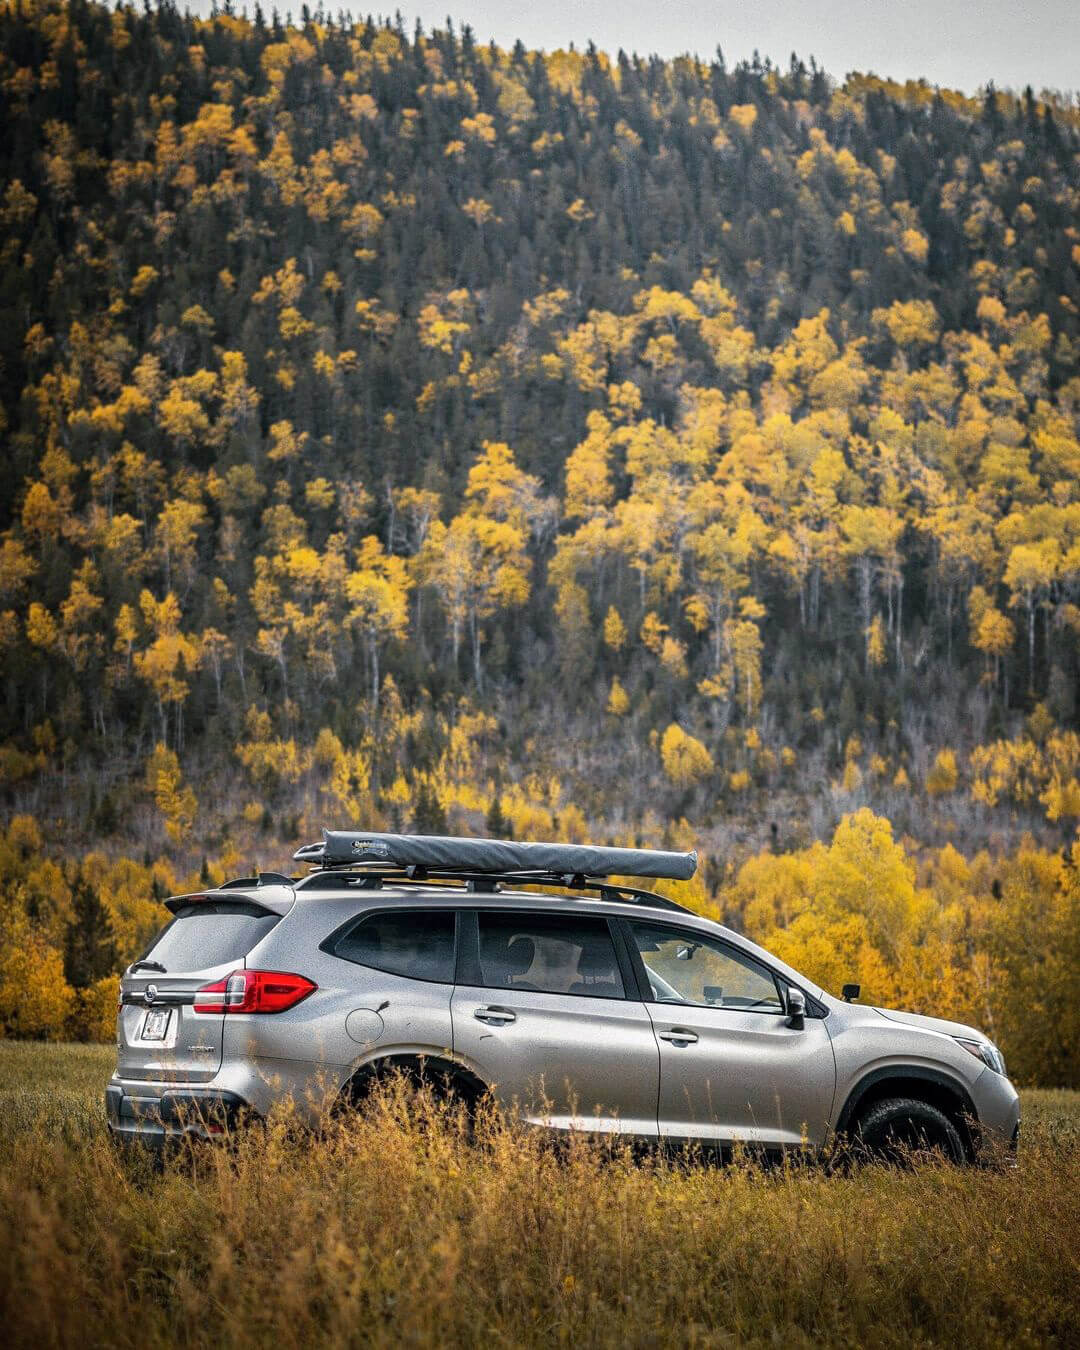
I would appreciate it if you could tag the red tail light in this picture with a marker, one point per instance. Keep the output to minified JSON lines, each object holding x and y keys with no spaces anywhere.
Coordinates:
{"x":253,"y":991}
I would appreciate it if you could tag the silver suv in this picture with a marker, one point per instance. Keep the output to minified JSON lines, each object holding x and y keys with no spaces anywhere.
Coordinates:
{"x":607,"y":1008}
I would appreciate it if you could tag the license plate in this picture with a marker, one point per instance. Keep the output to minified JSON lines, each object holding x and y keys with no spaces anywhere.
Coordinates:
{"x":156,"y":1024}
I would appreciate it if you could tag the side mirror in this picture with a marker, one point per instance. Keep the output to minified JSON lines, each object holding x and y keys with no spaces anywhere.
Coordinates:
{"x":796,"y":1006}
{"x":850,"y":992}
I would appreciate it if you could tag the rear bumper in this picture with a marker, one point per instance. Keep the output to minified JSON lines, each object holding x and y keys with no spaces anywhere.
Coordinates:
{"x":177,"y":1113}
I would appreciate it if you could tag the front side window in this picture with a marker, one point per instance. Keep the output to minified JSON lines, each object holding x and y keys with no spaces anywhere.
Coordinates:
{"x":550,"y":954}
{"x":686,"y":967}
{"x":419,"y":946}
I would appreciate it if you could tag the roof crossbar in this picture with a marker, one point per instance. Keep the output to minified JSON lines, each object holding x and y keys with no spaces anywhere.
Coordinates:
{"x":419,"y":854}
{"x":368,"y":877}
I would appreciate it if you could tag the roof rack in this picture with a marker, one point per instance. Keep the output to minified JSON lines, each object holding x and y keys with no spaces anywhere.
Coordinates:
{"x":364,"y":860}
{"x":348,"y":848}
{"x":369,"y":878}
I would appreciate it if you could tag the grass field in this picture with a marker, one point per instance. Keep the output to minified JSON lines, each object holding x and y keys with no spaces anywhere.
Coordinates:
{"x":394,"y":1229}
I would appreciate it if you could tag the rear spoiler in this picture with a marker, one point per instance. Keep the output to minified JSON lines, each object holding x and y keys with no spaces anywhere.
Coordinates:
{"x":269,"y":891}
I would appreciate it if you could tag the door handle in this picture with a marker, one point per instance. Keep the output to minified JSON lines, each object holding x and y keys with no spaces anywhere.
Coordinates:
{"x":495,"y":1017}
{"x":678,"y":1036}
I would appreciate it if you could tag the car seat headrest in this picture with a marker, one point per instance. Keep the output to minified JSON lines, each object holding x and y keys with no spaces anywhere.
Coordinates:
{"x":594,"y":962}
{"x":520,"y":954}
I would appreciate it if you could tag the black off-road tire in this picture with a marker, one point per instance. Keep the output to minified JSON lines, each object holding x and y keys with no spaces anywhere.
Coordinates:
{"x":448,"y":1086}
{"x":900,"y":1130}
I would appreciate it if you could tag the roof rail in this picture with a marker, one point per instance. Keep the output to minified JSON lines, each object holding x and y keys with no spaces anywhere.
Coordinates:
{"x":477,"y":857}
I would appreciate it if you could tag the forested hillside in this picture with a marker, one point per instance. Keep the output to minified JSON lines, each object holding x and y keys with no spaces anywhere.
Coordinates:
{"x":411,"y":432}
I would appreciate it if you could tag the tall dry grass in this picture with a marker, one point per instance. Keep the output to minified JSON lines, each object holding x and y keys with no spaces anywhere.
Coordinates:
{"x":393,"y":1227}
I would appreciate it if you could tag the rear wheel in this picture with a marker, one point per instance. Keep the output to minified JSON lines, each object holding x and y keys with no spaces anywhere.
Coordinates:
{"x":417,"y":1084}
{"x":901,"y":1130}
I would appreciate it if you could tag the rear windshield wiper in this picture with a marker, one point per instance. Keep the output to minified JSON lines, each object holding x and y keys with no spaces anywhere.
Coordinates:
{"x":146,"y":965}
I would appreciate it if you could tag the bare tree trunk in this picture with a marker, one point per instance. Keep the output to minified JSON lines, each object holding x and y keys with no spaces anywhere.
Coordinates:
{"x":865,"y":580}
{"x":284,"y":675}
{"x":478,"y":672}
{"x":718,"y":629}
{"x":391,"y":517}
{"x":948,"y":626}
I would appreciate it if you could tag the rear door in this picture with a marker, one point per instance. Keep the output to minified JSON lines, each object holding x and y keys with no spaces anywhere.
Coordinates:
{"x":542,"y":1013}
{"x":397,"y":974}
{"x":159,"y":1034}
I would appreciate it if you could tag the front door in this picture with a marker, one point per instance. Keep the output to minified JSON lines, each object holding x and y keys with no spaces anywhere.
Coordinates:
{"x":731,"y":1068}
{"x":541,"y":1013}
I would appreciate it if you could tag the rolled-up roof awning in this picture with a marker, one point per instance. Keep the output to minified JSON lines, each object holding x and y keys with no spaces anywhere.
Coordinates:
{"x":440,"y":853}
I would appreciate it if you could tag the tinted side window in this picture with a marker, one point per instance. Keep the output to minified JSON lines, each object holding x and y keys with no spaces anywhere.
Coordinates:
{"x":419,"y":946}
{"x":551,"y":953}
{"x":684,"y":967}
{"x":209,"y":934}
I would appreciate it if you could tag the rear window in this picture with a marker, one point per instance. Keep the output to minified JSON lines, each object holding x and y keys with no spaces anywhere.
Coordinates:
{"x":418,"y":946}
{"x":209,"y":934}
{"x":553,"y":954}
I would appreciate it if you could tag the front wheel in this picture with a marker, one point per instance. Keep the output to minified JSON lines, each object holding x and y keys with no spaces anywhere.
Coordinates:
{"x":900,"y":1130}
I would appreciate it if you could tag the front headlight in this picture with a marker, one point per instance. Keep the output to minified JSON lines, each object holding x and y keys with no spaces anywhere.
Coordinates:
{"x":990,"y":1055}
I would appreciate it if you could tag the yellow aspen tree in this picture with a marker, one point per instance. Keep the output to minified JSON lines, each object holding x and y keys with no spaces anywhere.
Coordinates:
{"x":35,"y":998}
{"x":614,"y":630}
{"x":994,"y":636}
{"x":686,"y":760}
{"x":743,"y":637}
{"x":1029,"y":574}
{"x":479,"y":563}
{"x":168,"y":659}
{"x":574,"y":626}
{"x":871,"y":535}
{"x":41,"y":629}
{"x":875,"y":643}
{"x":378,"y":594}
{"x":177,"y":531}
{"x":478,"y":566}
{"x":652,"y":632}
{"x":172,"y":797}
{"x":943,"y":776}
{"x":589,"y":488}
{"x":618,"y":704}
{"x":40,"y":514}
{"x":673,"y":658}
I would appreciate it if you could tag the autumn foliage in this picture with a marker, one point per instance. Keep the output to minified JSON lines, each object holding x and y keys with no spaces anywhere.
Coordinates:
{"x":405,"y":431}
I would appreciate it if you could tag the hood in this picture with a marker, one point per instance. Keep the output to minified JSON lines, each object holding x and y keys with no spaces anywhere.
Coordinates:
{"x":933,"y":1024}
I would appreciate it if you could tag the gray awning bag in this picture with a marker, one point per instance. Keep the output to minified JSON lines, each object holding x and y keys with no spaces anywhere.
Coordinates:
{"x":498,"y":855}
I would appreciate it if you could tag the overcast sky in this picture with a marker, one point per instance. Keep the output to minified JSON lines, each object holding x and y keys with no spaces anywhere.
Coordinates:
{"x":958,"y":43}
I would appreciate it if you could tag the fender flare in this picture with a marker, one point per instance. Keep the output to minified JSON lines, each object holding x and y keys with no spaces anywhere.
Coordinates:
{"x":902,"y":1072}
{"x":415,"y":1065}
